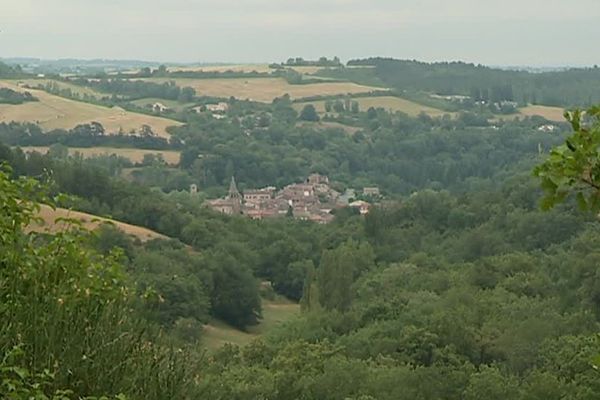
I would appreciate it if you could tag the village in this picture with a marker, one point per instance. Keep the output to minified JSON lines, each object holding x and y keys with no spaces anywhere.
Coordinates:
{"x":312,"y":200}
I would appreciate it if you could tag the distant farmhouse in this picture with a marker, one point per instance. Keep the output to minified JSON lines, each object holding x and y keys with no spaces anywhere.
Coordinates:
{"x":311,"y":200}
{"x":217,"y":110}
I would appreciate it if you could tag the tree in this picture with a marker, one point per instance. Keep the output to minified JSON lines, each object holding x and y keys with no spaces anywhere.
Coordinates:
{"x":574,"y":168}
{"x":337,"y":272}
{"x":338,"y":106}
{"x":309,"y":113}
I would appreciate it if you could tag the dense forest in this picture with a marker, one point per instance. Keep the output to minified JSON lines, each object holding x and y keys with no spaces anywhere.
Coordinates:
{"x":455,"y":291}
{"x":570,"y":87}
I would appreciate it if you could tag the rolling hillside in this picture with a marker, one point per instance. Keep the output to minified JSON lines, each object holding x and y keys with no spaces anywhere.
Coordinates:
{"x":51,"y":223}
{"x":52,"y":112}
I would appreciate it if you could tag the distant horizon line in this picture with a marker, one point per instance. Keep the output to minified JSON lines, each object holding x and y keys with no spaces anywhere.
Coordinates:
{"x":234,"y":63}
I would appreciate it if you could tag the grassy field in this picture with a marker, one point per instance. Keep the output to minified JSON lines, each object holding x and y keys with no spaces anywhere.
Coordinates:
{"x":52,"y":112}
{"x":217,"y":333}
{"x":134,"y":155}
{"x":266,"y":89}
{"x":387,"y":102}
{"x":550,"y":113}
{"x":51,"y":225}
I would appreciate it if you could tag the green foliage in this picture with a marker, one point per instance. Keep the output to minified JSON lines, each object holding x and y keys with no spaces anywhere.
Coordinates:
{"x":9,"y":96}
{"x":574,"y":168}
{"x":68,"y":310}
{"x":309,"y":113}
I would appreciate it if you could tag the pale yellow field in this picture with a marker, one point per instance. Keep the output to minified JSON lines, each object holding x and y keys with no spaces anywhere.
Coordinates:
{"x":52,"y":112}
{"x":90,"y":222}
{"x":550,"y":113}
{"x":266,"y":89}
{"x":387,"y":102}
{"x":134,"y":155}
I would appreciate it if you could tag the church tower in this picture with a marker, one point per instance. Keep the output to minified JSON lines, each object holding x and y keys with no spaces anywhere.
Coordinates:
{"x":234,"y":197}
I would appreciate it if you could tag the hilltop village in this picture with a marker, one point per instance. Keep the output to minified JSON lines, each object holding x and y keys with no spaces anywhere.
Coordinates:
{"x":312,"y":200}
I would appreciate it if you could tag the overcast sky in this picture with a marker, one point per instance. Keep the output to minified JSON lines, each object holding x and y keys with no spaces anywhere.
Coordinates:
{"x":498,"y":32}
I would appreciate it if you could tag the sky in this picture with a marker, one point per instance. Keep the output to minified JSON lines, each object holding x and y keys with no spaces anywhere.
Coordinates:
{"x":499,"y":32}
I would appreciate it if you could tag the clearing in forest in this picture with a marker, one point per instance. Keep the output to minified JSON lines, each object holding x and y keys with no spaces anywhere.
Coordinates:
{"x":265,"y":89}
{"x":134,"y":155}
{"x":52,"y":224}
{"x":55,"y":112}
{"x":275,"y":312}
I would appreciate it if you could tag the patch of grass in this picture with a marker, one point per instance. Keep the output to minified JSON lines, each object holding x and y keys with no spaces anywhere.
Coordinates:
{"x":275,"y":312}
{"x":54,"y":112}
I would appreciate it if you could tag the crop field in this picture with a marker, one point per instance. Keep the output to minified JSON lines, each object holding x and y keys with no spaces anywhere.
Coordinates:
{"x":134,"y":155}
{"x":53,"y":112}
{"x":51,"y":223}
{"x":266,"y":89}
{"x":387,"y":102}
{"x":550,"y":113}
{"x":217,"y":333}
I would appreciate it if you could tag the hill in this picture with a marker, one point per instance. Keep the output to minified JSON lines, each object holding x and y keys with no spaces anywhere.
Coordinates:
{"x":51,"y":223}
{"x":54,"y":112}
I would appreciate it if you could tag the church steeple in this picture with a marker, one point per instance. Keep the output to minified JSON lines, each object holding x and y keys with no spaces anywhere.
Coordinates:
{"x":233,"y":190}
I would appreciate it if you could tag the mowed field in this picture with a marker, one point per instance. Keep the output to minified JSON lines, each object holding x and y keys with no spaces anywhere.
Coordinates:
{"x":265,"y":89}
{"x":387,"y":102}
{"x":555,"y":114}
{"x":90,"y":222}
{"x":53,"y":112}
{"x":134,"y":155}
{"x":275,"y":312}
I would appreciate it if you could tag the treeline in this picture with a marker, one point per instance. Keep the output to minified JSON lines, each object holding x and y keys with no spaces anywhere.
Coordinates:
{"x":9,"y":96}
{"x":321,"y":62}
{"x":137,"y":89}
{"x":568,"y":88}
{"x":85,"y":135}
